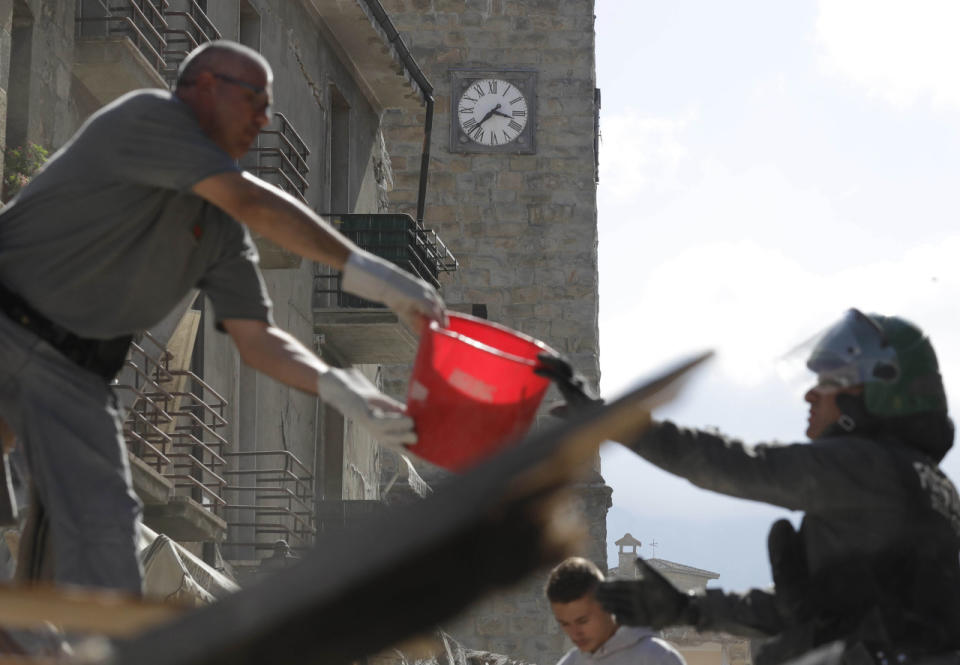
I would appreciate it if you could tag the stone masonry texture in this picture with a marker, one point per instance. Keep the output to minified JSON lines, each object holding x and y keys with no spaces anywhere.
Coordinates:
{"x":524,"y":228}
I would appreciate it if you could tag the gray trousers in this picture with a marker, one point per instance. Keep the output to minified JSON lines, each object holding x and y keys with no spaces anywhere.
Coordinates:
{"x":68,"y":425}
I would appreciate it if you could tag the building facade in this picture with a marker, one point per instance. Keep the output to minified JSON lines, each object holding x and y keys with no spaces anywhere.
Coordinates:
{"x":224,"y":458}
{"x":228,"y":462}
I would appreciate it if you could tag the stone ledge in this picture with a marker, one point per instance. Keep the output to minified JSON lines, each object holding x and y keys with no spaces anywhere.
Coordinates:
{"x":110,"y":67}
{"x":150,"y":486}
{"x":183,"y":519}
{"x":367,"y":336}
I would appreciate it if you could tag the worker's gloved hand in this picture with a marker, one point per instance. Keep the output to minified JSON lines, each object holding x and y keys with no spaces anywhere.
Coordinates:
{"x":569,"y":382}
{"x":414,"y":301}
{"x":648,"y":601}
{"x":352,"y":394}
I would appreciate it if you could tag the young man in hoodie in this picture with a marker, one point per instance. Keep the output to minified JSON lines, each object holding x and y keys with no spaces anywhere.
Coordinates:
{"x":598,"y":639}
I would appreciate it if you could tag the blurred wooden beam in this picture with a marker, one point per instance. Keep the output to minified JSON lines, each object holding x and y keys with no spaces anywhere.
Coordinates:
{"x":413,"y":566}
{"x":82,"y":610}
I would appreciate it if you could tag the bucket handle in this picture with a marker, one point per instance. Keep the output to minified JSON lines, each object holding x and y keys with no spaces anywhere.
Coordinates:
{"x":493,"y":350}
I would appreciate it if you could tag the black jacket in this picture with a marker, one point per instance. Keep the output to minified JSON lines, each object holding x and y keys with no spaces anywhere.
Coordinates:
{"x":876,"y":557}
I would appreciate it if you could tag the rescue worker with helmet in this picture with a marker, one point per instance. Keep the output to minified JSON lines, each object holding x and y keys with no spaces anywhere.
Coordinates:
{"x":872,"y":575}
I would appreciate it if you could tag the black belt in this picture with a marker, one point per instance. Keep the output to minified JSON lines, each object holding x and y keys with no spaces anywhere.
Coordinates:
{"x":103,"y":357}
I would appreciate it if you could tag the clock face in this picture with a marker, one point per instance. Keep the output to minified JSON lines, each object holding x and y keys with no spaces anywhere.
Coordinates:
{"x":492,"y":112}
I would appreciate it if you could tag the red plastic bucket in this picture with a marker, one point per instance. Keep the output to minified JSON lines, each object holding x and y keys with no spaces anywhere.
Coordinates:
{"x":473,"y":390}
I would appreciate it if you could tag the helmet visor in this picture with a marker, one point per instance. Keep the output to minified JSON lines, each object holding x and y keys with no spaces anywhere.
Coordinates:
{"x":853,"y":351}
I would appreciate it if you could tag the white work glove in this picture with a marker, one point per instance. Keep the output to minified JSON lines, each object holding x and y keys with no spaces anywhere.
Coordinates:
{"x":371,"y":277}
{"x":352,"y":394}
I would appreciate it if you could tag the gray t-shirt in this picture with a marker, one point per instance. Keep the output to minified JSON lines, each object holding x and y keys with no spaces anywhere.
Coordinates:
{"x":107,"y":238}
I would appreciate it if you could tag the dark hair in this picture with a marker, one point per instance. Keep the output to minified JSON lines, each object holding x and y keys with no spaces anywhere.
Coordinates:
{"x":572,"y":579}
{"x":206,"y":56}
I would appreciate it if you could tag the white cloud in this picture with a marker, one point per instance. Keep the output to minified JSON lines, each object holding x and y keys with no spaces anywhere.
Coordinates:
{"x":641,"y":152}
{"x":898,"y":51}
{"x":754,"y":303}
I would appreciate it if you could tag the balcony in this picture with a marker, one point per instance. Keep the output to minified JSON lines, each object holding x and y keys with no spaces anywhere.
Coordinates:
{"x":360,"y":331}
{"x":187,"y":26}
{"x":269,"y":497}
{"x":280,"y":157}
{"x":369,"y":41}
{"x":173,"y":432}
{"x":123,"y":45}
{"x":192,"y":485}
{"x":120,"y":47}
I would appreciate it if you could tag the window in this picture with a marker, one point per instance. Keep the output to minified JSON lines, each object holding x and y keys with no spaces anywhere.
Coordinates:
{"x":18,"y":90}
{"x":249,"y":29}
{"x":339,"y":153}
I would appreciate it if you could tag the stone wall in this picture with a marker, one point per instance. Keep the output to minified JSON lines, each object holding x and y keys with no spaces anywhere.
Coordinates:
{"x":6,"y":28}
{"x":523,"y":226}
{"x":36,"y":54}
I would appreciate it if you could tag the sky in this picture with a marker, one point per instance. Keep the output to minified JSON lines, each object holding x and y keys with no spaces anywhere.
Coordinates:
{"x":764,"y":166}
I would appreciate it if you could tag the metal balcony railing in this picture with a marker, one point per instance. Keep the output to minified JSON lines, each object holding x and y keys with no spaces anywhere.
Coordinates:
{"x":397,"y":238}
{"x":280,"y":157}
{"x":173,"y":424}
{"x":270,"y":493}
{"x":142,"y":21}
{"x":164,"y":31}
{"x":187,"y":29}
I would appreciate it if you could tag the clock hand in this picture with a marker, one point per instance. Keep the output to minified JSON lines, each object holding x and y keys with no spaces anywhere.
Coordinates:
{"x":502,"y":114}
{"x":488,"y":114}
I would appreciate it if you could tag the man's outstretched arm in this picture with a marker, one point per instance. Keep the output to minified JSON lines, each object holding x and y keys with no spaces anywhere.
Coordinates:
{"x":280,"y":356}
{"x":651,"y":600}
{"x":281,"y":218}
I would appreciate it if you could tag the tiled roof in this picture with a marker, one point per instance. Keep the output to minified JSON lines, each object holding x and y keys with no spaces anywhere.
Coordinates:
{"x":673,"y":567}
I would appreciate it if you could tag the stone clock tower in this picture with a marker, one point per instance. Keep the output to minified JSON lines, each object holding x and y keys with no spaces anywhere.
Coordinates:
{"x":512,"y":191}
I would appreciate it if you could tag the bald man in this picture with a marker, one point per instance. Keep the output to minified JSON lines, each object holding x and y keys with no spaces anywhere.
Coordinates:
{"x":143,"y":204}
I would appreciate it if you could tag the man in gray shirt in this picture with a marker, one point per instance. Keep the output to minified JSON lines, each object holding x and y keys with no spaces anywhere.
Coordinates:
{"x":143,"y":204}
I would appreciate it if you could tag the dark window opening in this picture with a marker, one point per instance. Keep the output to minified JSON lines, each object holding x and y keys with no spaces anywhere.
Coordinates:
{"x":339,"y":153}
